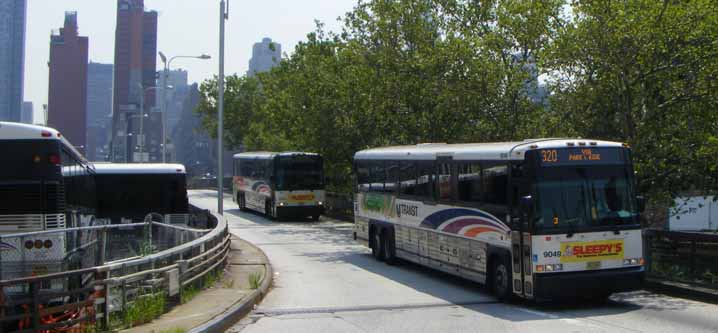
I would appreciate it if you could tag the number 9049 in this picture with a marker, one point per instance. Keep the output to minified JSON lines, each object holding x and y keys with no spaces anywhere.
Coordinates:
{"x":552,"y":254}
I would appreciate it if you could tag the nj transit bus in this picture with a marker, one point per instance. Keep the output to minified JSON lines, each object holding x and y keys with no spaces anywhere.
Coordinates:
{"x":45,"y":184}
{"x":538,"y":219}
{"x":280,"y":184}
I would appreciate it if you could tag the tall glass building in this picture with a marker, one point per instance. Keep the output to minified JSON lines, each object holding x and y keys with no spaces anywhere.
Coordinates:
{"x":12,"y":58}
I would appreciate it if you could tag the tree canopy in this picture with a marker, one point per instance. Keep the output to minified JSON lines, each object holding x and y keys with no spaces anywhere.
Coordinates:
{"x":411,"y":71}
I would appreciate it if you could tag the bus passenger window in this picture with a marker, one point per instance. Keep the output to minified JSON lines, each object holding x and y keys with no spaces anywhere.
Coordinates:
{"x":377,"y":176}
{"x":443,"y":181}
{"x":469,"y":182}
{"x":424,"y":181}
{"x":407,"y":177}
{"x":362,"y":171}
{"x":392,"y":173}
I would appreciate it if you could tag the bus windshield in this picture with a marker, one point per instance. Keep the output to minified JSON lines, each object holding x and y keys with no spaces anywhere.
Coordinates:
{"x":299,"y":173}
{"x":583,"y":198}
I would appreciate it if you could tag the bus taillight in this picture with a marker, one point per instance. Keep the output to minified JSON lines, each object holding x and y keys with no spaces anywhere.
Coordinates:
{"x":55,"y":159}
{"x":46,"y":134}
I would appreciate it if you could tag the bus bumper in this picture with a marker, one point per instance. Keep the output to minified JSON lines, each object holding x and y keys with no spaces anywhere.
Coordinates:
{"x":300,"y":211}
{"x":588,"y":283}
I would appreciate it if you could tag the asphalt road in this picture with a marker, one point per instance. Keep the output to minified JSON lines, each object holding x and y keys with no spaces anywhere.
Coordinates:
{"x":325,"y":282}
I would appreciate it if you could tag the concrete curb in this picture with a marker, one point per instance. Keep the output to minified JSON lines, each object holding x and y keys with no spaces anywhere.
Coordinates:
{"x":682,"y":290}
{"x":236,"y":312}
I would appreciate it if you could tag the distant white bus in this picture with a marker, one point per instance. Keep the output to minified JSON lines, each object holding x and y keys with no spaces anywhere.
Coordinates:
{"x":280,"y":184}
{"x":538,"y":219}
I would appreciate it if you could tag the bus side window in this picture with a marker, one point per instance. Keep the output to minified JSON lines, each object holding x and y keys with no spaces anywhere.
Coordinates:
{"x":393,"y":171}
{"x":495,"y":181}
{"x":443,"y":181}
{"x":377,"y":176}
{"x":469,"y":182}
{"x":424,"y":180}
{"x":407,"y":177}
{"x":362,"y":171}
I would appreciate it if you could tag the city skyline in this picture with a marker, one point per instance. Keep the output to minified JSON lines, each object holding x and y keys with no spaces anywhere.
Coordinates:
{"x":290,"y":22}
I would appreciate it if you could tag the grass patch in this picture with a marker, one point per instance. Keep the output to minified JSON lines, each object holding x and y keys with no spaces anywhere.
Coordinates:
{"x":143,"y":310}
{"x":210,"y":279}
{"x":255,"y":279}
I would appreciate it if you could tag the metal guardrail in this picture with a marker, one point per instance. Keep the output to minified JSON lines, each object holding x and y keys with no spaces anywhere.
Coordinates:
{"x":683,"y":257}
{"x":92,"y":295}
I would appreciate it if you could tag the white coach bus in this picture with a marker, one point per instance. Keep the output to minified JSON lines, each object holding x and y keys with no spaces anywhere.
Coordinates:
{"x":538,"y":219}
{"x":280,"y":184}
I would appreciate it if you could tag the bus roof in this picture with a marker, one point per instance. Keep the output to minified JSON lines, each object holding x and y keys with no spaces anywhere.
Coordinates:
{"x":271,"y":154}
{"x":138,"y":168}
{"x":475,"y":151}
{"x":20,"y":131}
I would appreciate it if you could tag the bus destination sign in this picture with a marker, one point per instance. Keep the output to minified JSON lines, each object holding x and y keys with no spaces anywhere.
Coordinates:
{"x":580,"y":156}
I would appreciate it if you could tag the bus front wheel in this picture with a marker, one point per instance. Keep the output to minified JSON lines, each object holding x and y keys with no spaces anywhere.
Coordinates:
{"x":501,"y":278}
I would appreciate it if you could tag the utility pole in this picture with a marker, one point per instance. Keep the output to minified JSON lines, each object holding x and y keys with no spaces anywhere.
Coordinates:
{"x":223,"y":15}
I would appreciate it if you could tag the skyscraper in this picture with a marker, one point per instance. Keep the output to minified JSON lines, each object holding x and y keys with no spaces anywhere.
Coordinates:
{"x":12,"y":58}
{"x":99,"y":109}
{"x":135,"y":66}
{"x":265,"y":55}
{"x":67,"y":100}
{"x":27,"y":113}
{"x":175,"y":96}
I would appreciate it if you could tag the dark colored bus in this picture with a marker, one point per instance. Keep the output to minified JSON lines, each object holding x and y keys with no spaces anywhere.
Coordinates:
{"x":126,"y":193}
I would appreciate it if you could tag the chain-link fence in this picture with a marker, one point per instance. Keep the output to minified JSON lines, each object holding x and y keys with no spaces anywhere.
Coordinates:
{"x":138,"y":262}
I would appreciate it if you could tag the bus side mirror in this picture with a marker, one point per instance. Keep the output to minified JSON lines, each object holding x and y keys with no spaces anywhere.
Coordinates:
{"x":641,"y":203}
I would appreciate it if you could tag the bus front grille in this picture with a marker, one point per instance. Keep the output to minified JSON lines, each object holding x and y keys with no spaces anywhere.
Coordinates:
{"x":10,"y":224}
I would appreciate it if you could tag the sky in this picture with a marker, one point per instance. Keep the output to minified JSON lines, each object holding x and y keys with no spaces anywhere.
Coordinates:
{"x":186,"y":27}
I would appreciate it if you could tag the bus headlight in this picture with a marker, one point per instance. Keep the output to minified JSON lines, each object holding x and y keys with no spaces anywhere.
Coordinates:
{"x":633,"y":262}
{"x":549,"y":268}
{"x":281,"y":204}
{"x":320,"y":203}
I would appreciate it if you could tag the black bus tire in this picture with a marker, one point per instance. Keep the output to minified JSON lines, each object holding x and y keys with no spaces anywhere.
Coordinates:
{"x":501,"y":278}
{"x":377,"y":248}
{"x":388,"y":247}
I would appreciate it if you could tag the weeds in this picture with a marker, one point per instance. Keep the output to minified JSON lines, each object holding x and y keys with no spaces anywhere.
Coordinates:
{"x":144,"y":309}
{"x":255,"y":279}
{"x":210,"y":279}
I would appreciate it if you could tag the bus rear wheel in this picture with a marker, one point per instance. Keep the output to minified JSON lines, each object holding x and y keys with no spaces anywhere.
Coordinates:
{"x":388,"y":248}
{"x":501,"y":279}
{"x":377,"y":246}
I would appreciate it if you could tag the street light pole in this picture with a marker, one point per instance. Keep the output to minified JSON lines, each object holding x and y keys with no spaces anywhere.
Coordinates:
{"x":163,"y":105}
{"x":223,"y":15}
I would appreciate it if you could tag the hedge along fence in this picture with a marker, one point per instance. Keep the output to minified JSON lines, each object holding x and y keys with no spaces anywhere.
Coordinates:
{"x":683,"y":257}
{"x":143,"y":286}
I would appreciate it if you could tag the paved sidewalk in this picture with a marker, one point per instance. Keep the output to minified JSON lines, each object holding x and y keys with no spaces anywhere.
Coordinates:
{"x":215,"y":302}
